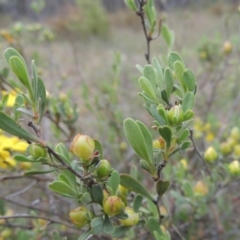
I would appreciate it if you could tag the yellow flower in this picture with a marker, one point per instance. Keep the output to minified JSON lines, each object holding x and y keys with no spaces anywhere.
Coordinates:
{"x":210,"y":136}
{"x":5,"y":160}
{"x":11,"y":97}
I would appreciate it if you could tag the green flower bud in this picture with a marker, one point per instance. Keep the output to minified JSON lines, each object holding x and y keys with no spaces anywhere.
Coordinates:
{"x":132,"y":219}
{"x":37,"y":151}
{"x":80,"y":216}
{"x":83,"y":146}
{"x":227,"y":47}
{"x":237,"y":150}
{"x":225,"y":148}
{"x":210,"y":154}
{"x":103,"y":170}
{"x":113,"y":206}
{"x":235,"y":133}
{"x":175,"y":115}
{"x":234,"y":167}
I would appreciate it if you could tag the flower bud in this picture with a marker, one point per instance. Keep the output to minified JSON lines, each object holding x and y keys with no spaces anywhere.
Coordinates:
{"x":6,"y":233}
{"x":123,"y":146}
{"x":236,"y":150}
{"x":210,"y":154}
{"x":200,"y":188}
{"x":37,"y":151}
{"x":80,"y":216}
{"x":175,"y":115}
{"x":113,"y":206}
{"x":83,"y":146}
{"x":227,"y":47}
{"x":235,"y":133}
{"x":159,"y":143}
{"x":103,"y":170}
{"x":234,"y":167}
{"x":25,"y":165}
{"x":225,"y":148}
{"x":132,"y":219}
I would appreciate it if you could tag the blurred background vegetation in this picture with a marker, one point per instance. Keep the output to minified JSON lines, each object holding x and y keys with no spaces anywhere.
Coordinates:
{"x":86,"y":52}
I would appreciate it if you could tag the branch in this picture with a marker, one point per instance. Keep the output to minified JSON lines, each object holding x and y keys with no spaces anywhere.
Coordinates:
{"x":140,"y":13}
{"x":38,"y":217}
{"x":199,"y":154}
{"x":11,"y":177}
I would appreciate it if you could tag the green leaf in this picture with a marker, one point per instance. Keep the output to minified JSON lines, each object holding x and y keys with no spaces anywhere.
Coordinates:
{"x":153,"y":225}
{"x":186,"y":145}
{"x":107,"y":225}
{"x":131,"y":4}
{"x":62,"y":188}
{"x":162,"y":112}
{"x":120,"y":231}
{"x":148,"y":139}
{"x":152,"y":208}
{"x":10,"y":52}
{"x":98,"y":147}
{"x":56,"y":235}
{"x":157,"y":66}
{"x":166,"y":134}
{"x":40,"y":98}
{"x":85,"y":235}
{"x":168,"y":81}
{"x":154,"y":112}
{"x":113,"y":181}
{"x":150,"y":12}
{"x":22,"y":158}
{"x":189,"y":80}
{"x":36,"y":172}
{"x":164,"y":96}
{"x":188,"y":190}
{"x":20,"y":70}
{"x":161,"y":187}
{"x":97,"y":225}
{"x":188,"y":101}
{"x":26,"y":112}
{"x":86,"y":198}
{"x":168,"y":35}
{"x":8,"y":125}
{"x":183,"y":135}
{"x":146,"y":86}
{"x":133,"y":185}
{"x":62,"y":150}
{"x":97,"y":194}
{"x":188,"y":115}
{"x":71,"y":178}
{"x":179,"y":68}
{"x":149,"y":74}
{"x":137,"y":202}
{"x":136,"y":138}
{"x":172,"y":58}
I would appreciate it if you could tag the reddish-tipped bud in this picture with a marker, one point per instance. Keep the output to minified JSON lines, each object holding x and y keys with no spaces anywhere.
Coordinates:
{"x":159,"y":143}
{"x":132,"y":219}
{"x":113,"y":205}
{"x":210,"y":155}
{"x":37,"y":151}
{"x":83,"y":146}
{"x":80,"y":216}
{"x":234,"y":168}
{"x":103,"y":170}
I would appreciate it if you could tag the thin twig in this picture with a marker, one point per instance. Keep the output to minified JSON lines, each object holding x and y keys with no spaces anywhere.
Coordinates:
{"x":140,"y":13}
{"x":9,"y":225}
{"x":12,"y":177}
{"x":29,"y":206}
{"x":37,"y":217}
{"x":22,"y":191}
{"x":177,"y":231}
{"x":199,"y":154}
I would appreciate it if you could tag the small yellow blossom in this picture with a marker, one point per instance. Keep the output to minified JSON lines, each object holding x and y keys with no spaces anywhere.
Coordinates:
{"x":210,"y":136}
{"x":11,"y":97}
